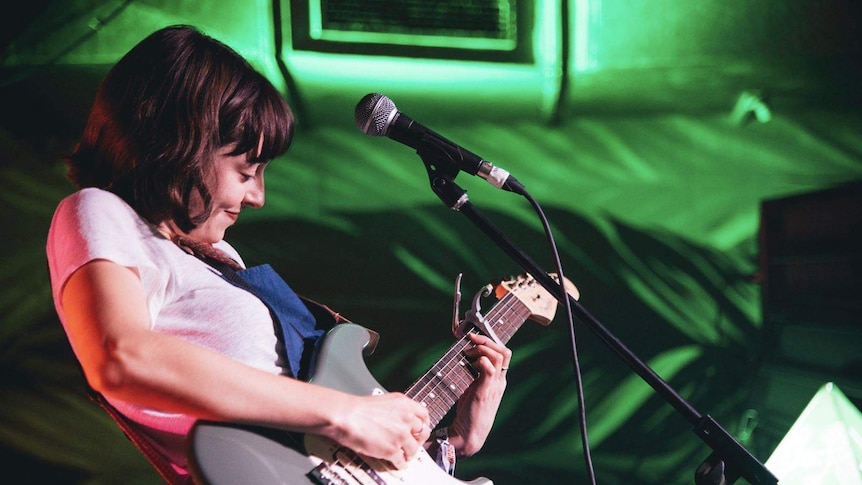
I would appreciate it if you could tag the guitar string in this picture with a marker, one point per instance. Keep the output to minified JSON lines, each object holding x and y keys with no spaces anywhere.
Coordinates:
{"x":465,"y":378}
{"x":354,"y":462}
{"x":436,"y":377}
{"x":499,"y":319}
{"x":499,"y":314}
{"x":449,"y":363}
{"x":496,"y":314}
{"x":438,"y":382}
{"x":507,"y":306}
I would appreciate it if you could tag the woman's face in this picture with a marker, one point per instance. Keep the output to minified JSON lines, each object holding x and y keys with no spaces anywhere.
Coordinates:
{"x":238,"y":184}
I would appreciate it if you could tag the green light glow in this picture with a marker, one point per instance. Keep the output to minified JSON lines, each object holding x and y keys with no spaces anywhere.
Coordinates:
{"x":421,"y":268}
{"x":614,"y":409}
{"x":582,"y":13}
{"x":412,"y":35}
{"x":415,"y":40}
{"x":456,"y":82}
{"x":824,"y":445}
{"x":548,"y":53}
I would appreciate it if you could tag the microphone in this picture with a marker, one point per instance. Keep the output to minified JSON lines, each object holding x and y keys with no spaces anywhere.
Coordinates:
{"x":376,"y":115}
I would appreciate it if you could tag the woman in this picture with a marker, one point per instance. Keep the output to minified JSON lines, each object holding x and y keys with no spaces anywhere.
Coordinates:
{"x":176,"y":145}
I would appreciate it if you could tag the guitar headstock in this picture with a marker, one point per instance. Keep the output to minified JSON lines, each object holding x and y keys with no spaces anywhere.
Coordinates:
{"x":542,"y":305}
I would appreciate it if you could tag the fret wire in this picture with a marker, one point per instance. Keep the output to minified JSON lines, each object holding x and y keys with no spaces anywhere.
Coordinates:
{"x":509,"y":306}
{"x":445,"y":367}
{"x":445,"y":396}
{"x":453,"y":369}
{"x":434,"y":377}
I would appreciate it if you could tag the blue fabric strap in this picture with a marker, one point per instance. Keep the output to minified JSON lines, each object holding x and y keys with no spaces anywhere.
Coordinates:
{"x":297,"y":324}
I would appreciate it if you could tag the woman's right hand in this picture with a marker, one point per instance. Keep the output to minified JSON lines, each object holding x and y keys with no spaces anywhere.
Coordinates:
{"x":390,"y":426}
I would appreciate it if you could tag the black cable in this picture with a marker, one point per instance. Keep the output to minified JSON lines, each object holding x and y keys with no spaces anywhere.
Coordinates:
{"x":582,"y":417}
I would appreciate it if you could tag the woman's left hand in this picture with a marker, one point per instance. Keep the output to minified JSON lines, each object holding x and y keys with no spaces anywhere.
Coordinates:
{"x":477,"y":408}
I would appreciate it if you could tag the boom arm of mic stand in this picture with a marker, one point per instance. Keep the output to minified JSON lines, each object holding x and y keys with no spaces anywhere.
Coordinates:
{"x":729,"y":459}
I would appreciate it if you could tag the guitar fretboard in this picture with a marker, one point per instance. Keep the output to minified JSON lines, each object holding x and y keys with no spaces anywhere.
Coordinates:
{"x":449,"y":378}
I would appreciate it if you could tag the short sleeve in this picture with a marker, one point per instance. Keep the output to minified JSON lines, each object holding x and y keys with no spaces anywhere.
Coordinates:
{"x":94,"y":224}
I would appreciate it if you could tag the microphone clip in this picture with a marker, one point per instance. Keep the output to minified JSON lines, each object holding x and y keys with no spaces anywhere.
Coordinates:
{"x":442,"y":171}
{"x":437,"y":159}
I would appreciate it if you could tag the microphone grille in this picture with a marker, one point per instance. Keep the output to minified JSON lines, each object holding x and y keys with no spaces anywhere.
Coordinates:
{"x":374,"y":113}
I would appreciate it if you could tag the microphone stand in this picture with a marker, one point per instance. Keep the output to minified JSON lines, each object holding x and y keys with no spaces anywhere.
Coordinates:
{"x":728,"y":461}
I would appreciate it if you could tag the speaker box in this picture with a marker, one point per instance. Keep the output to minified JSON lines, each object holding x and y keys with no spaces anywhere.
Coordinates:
{"x":811,"y":271}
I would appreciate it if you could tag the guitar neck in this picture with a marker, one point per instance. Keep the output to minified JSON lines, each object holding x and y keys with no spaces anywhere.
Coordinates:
{"x":449,"y":378}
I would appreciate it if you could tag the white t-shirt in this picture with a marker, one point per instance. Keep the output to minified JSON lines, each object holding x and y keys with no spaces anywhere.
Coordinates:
{"x":186,"y":297}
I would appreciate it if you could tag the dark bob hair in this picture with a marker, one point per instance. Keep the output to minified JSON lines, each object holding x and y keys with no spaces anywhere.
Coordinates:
{"x":163,"y":112}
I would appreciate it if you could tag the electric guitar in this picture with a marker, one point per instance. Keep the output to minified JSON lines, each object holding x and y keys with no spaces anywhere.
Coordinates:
{"x":227,"y":454}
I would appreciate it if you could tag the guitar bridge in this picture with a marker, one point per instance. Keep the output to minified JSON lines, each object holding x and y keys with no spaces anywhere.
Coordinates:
{"x":323,"y":475}
{"x":345,"y":470}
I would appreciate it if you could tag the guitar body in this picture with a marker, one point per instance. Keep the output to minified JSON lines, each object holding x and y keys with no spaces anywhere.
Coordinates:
{"x":227,"y":454}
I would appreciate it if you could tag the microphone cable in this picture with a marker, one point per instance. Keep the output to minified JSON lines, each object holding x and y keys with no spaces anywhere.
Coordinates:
{"x":582,"y":417}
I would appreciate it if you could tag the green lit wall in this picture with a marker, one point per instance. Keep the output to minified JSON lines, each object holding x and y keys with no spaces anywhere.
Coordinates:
{"x":619,"y":118}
